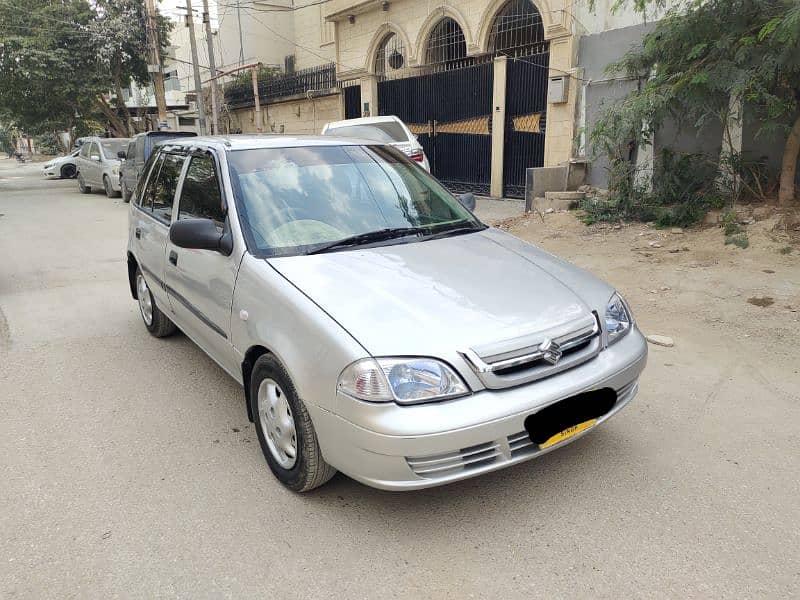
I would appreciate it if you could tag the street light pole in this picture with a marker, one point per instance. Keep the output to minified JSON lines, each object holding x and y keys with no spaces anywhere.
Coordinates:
{"x":201,"y":111}
{"x":213,"y":69}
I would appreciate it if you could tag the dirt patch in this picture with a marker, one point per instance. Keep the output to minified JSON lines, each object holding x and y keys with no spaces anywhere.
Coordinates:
{"x":762,"y":302}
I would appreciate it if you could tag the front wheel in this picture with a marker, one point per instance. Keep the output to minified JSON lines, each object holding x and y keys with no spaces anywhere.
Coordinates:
{"x":68,"y":171}
{"x":155,"y":321}
{"x":284,"y":428}
{"x":108,"y":188}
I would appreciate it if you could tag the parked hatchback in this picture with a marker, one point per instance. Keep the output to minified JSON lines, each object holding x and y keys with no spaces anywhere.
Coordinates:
{"x":385,"y":130}
{"x":98,"y":164}
{"x":136,"y":154}
{"x":377,"y":326}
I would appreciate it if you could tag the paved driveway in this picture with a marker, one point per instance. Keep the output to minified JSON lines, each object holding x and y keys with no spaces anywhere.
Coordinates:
{"x":128,"y":469}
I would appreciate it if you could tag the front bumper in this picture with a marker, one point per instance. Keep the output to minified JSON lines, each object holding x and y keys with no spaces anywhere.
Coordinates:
{"x":412,"y":447}
{"x":52,"y":171}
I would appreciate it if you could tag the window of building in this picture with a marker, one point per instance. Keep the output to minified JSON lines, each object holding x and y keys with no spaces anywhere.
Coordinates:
{"x":391,"y":55}
{"x":446,"y":43}
{"x":517,"y":29}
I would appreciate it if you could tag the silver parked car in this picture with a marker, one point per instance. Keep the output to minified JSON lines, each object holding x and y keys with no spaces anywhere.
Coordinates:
{"x":98,"y":164}
{"x":376,"y":325}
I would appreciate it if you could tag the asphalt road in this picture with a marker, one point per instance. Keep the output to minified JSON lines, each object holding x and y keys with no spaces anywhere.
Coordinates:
{"x":128,"y":468}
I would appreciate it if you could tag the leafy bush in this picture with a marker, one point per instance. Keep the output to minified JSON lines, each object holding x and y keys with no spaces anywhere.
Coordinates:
{"x":740,"y":241}
{"x":683,"y":191}
{"x":48,"y":143}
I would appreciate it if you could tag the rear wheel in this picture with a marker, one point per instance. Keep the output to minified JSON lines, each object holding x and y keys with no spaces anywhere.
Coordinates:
{"x":68,"y":171}
{"x":284,"y":428}
{"x":85,"y":189}
{"x":155,"y":321}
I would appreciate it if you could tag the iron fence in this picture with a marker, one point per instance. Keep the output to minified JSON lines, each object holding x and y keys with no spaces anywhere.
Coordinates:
{"x":282,"y":85}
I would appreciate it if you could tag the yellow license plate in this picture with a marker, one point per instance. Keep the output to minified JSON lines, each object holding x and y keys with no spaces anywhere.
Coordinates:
{"x":568,"y":433}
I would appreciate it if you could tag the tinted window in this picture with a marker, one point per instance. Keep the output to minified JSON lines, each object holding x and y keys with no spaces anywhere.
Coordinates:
{"x":93,"y":149}
{"x":200,"y":194}
{"x":387,"y":132}
{"x":166,"y":184}
{"x":140,"y":149}
{"x":146,"y":200}
{"x":130,"y":153}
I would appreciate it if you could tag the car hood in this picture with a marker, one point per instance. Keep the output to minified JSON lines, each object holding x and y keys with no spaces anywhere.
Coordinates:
{"x":434,"y":297}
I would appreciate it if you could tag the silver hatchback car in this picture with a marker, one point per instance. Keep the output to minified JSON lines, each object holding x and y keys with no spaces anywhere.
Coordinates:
{"x":377,"y":326}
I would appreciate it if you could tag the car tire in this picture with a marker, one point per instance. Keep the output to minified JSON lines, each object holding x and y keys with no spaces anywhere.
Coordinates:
{"x":156,"y":322}
{"x":68,"y":172}
{"x":107,"y":187}
{"x":274,"y":403}
{"x":85,"y":189}
{"x":126,"y":195}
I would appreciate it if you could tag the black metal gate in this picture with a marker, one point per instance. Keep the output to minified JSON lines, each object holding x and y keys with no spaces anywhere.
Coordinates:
{"x":352,"y":101}
{"x":450,"y":112}
{"x":526,"y":117}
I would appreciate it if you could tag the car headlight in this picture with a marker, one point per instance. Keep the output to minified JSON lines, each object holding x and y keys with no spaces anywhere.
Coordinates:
{"x":619,"y":319}
{"x":402,"y":380}
{"x":48,"y":166}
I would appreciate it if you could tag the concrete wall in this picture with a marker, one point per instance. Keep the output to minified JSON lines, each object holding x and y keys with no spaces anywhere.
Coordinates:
{"x":300,"y":116}
{"x":259,"y":43}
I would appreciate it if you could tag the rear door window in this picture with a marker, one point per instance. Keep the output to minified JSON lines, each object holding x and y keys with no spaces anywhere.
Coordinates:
{"x":139,"y":152}
{"x":166,"y":185}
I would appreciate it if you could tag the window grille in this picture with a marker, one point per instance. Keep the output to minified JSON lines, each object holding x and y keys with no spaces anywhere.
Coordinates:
{"x":517,"y":30}
{"x":446,"y":43}
{"x":391,"y":56}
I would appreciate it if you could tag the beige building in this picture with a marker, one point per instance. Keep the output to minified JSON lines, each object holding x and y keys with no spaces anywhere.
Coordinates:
{"x":490,"y":87}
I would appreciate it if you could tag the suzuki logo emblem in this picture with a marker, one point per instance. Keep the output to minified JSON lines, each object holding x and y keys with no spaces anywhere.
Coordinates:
{"x":551,"y":351}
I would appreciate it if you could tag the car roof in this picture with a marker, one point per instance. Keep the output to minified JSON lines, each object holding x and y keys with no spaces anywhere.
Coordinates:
{"x":252,"y":142}
{"x":166,"y":133}
{"x":365,"y":121}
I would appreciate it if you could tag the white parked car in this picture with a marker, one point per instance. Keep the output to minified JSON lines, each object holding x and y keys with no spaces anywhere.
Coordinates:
{"x":98,"y":165}
{"x":63,"y":166}
{"x":386,"y":130}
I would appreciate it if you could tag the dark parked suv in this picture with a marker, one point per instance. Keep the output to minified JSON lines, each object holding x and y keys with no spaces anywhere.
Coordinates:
{"x":137,"y":153}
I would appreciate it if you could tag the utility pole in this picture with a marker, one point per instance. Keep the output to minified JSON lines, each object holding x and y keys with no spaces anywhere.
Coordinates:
{"x":257,"y":114}
{"x":201,"y":110}
{"x":155,"y":68}
{"x":214,"y":129}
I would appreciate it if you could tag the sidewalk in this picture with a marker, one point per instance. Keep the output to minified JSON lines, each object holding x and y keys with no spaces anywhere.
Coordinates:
{"x":489,"y":210}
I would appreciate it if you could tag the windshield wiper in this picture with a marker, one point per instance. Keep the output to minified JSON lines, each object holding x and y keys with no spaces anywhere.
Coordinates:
{"x":459,"y":230}
{"x":368,"y":237}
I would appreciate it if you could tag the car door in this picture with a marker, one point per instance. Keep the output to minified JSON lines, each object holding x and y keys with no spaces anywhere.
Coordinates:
{"x":151,"y":217}
{"x":93,"y":165}
{"x":127,"y":168}
{"x":200,"y":282}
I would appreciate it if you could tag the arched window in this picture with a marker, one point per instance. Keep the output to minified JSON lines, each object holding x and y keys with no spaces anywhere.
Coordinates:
{"x":446,"y":43}
{"x":391,"y":55}
{"x":517,"y":29}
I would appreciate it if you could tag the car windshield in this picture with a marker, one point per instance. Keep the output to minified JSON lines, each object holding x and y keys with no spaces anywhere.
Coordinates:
{"x":112,"y":146}
{"x":387,"y":132}
{"x":297,"y":200}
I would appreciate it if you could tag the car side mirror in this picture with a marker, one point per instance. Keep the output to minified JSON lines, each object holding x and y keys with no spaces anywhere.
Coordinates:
{"x":121,"y":155}
{"x":200,"y":234}
{"x":95,"y":157}
{"x":467,"y":201}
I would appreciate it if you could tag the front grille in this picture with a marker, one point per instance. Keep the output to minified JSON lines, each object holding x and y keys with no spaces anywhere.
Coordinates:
{"x":505,"y":450}
{"x":466,"y":459}
{"x":523,"y":360}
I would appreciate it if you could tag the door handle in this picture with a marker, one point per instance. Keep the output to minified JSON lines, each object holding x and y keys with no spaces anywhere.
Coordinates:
{"x":173,"y":257}
{"x":138,"y":233}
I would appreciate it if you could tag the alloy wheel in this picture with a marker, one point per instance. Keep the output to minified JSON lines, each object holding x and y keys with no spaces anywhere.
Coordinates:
{"x":277,"y":423}
{"x":145,"y":300}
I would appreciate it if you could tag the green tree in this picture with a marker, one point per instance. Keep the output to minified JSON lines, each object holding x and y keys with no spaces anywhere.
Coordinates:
{"x":62,"y":61}
{"x":704,"y":58}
